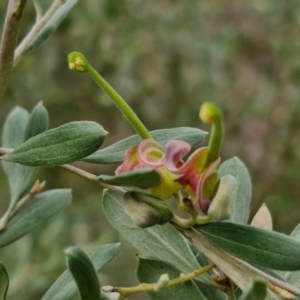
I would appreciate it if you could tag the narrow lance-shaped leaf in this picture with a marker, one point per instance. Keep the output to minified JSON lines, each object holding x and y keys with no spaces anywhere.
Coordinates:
{"x":49,"y":27}
{"x":255,"y":245}
{"x":160,"y":241}
{"x":20,"y":178}
{"x":38,"y":121}
{"x":65,"y":287}
{"x":84,"y":274}
{"x":149,"y":271}
{"x":143,"y":178}
{"x":239,"y":209}
{"x":293,"y":277}
{"x":64,"y":144}
{"x":33,"y":214}
{"x":116,"y":152}
{"x":4,"y":282}
{"x":18,"y":127}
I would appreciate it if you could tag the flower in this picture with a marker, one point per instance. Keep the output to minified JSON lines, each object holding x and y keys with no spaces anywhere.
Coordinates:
{"x":149,"y":154}
{"x":199,"y":182}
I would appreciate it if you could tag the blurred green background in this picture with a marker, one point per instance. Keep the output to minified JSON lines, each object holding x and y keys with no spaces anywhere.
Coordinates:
{"x":165,"y":58}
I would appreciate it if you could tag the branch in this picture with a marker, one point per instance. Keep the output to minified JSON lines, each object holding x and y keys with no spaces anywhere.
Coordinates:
{"x":36,"y":29}
{"x":89,"y":176}
{"x":149,"y":287}
{"x":10,"y":35}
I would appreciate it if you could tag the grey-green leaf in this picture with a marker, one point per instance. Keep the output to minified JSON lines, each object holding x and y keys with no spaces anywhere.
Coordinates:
{"x":116,"y":152}
{"x":239,"y":209}
{"x":65,"y":287}
{"x":84,"y":273}
{"x":256,"y":291}
{"x":293,"y":277}
{"x":149,"y":271}
{"x":4,"y":282}
{"x":210,"y":292}
{"x":20,"y":178}
{"x":33,"y":214}
{"x":143,"y":178}
{"x":49,"y":27}
{"x":38,"y":121}
{"x":255,"y":245}
{"x":14,"y":128}
{"x":160,"y":241}
{"x":61,"y":145}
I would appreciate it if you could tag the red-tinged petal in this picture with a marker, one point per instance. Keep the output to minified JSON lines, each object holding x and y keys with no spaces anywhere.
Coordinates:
{"x":175,"y":152}
{"x":194,"y":165}
{"x":131,"y":161}
{"x":151,"y":154}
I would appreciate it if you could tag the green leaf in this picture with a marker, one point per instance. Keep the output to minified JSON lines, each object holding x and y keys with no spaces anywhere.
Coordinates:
{"x":65,"y":287}
{"x":149,"y":271}
{"x":161,"y":241}
{"x":4,"y":282}
{"x":239,"y":209}
{"x":210,"y":292}
{"x":33,"y":214}
{"x":255,"y":245}
{"x":14,"y":128}
{"x":49,"y":27}
{"x":84,"y":273}
{"x":20,"y":178}
{"x":293,"y":277}
{"x":143,"y":178}
{"x":116,"y":152}
{"x":38,"y":121}
{"x":62,"y":145}
{"x":256,"y":291}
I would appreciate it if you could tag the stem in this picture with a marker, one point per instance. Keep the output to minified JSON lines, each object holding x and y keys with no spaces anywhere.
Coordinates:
{"x":10,"y":35}
{"x":92,"y":178}
{"x":36,"y":29}
{"x":79,"y":172}
{"x":147,"y":287}
{"x":78,"y":62}
{"x":36,"y":189}
{"x":210,"y":114}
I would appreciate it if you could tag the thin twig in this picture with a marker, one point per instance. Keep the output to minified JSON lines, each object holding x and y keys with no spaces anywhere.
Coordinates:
{"x":36,"y":29}
{"x":92,"y":178}
{"x":84,"y":174}
{"x":147,"y":287}
{"x":10,"y":35}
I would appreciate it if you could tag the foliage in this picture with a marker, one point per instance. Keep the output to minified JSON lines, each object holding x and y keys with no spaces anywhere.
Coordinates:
{"x":207,"y":221}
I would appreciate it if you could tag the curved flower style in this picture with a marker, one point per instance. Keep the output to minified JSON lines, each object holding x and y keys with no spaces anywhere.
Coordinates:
{"x":149,"y":154}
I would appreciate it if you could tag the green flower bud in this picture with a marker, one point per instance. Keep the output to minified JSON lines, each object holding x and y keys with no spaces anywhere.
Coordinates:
{"x":145,"y":210}
{"x":219,"y":207}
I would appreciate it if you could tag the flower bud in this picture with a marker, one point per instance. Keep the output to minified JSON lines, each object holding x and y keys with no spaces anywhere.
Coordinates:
{"x":219,"y":207}
{"x":145,"y":210}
